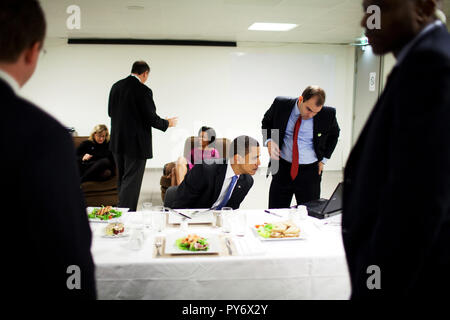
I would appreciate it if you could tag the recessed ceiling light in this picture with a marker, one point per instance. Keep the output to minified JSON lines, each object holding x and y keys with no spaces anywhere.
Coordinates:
{"x":263,"y":26}
{"x":135,"y":7}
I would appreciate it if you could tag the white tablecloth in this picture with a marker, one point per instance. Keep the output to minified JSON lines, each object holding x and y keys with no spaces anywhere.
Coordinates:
{"x":314,"y":268}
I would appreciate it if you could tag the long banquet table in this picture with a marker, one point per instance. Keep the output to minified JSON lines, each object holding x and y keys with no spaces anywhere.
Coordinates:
{"x":313,"y":268}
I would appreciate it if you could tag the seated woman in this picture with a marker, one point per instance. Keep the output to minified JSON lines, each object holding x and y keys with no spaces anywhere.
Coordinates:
{"x":198,"y":155}
{"x":95,"y":161}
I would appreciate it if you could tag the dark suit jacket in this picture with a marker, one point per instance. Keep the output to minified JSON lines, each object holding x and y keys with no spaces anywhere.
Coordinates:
{"x":397,"y":180}
{"x":326,"y":129}
{"x":133,"y":114}
{"x":202,"y":185}
{"x":45,"y":225}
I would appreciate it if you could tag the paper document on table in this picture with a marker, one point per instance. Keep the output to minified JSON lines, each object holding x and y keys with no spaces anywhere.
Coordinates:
{"x":334,"y":221}
{"x":199,"y":218}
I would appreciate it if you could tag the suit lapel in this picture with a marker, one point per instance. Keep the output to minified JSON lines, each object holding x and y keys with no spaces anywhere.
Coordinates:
{"x":285,"y":115}
{"x":237,"y":191}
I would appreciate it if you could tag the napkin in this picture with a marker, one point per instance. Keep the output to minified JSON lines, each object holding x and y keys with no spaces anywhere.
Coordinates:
{"x":248,"y":246}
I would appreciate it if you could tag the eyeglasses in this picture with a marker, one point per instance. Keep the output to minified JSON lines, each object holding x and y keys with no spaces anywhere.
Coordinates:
{"x":42,"y":53}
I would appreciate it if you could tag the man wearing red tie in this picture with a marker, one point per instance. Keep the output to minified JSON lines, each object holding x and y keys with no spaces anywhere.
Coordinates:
{"x":300,"y":135}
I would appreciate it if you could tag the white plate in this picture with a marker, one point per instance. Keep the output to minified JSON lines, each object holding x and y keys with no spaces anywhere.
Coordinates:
{"x":301,"y":237}
{"x":90,"y":209}
{"x":172,"y":248}
{"x":198,"y":218}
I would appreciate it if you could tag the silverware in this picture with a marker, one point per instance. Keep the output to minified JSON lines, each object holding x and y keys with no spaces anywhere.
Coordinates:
{"x":158,"y":244}
{"x":270,"y":212}
{"x":228,"y":243}
{"x":181,"y":214}
{"x":198,"y":211}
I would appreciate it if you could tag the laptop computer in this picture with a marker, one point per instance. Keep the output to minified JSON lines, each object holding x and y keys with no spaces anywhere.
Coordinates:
{"x":323,"y":208}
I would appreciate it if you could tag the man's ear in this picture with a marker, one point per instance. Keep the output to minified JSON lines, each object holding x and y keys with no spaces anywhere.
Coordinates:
{"x":31,"y":54}
{"x":425,"y":9}
{"x":237,"y":159}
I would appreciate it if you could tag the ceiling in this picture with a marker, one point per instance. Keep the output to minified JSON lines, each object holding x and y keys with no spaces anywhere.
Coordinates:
{"x":320,"y":21}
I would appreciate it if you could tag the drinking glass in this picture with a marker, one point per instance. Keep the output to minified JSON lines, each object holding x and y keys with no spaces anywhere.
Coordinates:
{"x":240,"y":222}
{"x":298,"y":214}
{"x":227,"y":216}
{"x":303,"y":212}
{"x":158,"y":218}
{"x":147,"y":214}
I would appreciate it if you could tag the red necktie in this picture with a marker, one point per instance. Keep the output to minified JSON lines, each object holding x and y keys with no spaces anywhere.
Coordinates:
{"x":294,"y":165}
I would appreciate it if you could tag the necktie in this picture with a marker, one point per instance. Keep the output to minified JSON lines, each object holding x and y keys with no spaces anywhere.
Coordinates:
{"x":294,"y":165}
{"x":228,"y":194}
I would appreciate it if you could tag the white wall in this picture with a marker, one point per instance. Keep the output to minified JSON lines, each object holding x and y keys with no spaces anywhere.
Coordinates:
{"x":228,"y":89}
{"x":388,"y":64}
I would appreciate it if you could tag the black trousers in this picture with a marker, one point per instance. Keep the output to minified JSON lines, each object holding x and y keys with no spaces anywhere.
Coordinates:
{"x":131,"y":173}
{"x":305,"y":187}
{"x":98,"y":170}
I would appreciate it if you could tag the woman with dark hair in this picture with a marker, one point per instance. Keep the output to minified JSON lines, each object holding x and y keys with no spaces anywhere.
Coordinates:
{"x":95,"y":160}
{"x":198,"y":155}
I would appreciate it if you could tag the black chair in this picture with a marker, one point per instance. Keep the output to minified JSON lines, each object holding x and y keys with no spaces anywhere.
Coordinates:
{"x":170,"y":197}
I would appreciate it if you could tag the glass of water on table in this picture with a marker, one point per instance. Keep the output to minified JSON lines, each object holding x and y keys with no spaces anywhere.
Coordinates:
{"x":227,"y":219}
{"x":158,"y":218}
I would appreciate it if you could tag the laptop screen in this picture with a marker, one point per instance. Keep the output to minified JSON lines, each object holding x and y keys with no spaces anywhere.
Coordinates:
{"x":335,"y":201}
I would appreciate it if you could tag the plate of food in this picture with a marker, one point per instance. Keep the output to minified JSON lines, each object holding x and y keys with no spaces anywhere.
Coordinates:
{"x":115,"y":230}
{"x":105,"y":214}
{"x":191,"y":244}
{"x":283,"y":230}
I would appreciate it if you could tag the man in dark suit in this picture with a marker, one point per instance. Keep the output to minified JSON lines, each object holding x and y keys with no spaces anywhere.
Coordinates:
{"x":219,"y":185}
{"x":396,"y":211}
{"x":301,"y":135}
{"x":46,"y":253}
{"x":133,"y":114}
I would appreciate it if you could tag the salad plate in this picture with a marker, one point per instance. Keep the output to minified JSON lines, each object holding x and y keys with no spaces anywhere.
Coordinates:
{"x":278,"y":231}
{"x":172,"y":244}
{"x":109,"y":214}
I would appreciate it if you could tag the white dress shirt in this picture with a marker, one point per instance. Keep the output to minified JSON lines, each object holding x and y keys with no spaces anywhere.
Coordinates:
{"x":226,"y":183}
{"x":10,"y":81}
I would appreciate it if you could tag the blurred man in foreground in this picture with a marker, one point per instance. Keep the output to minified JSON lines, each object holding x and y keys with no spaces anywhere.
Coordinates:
{"x":396,"y":216}
{"x":47,"y":250}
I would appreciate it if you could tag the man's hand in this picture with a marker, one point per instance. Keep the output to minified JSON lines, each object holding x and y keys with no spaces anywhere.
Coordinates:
{"x":172,"y":121}
{"x":87,"y":157}
{"x":320,"y":167}
{"x":274,"y":150}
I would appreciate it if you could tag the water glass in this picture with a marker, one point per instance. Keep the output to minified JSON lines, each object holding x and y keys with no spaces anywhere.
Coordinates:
{"x":136,"y":239}
{"x":227,"y":216}
{"x":184,"y":224}
{"x":303,"y":212}
{"x":296,"y":215}
{"x":158,"y":218}
{"x":147,"y":213}
{"x":241,"y":222}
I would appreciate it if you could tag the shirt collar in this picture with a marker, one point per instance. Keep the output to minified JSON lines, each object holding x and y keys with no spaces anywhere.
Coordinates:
{"x":404,"y":52}
{"x":10,"y":81}
{"x":133,"y":75}
{"x":296,"y":110}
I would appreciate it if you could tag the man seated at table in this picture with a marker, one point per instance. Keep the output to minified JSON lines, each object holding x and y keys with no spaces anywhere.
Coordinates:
{"x":219,"y":185}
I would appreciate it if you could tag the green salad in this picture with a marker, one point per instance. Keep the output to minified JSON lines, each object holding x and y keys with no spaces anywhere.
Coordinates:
{"x":264,"y":230}
{"x":104,"y":213}
{"x":193,"y":243}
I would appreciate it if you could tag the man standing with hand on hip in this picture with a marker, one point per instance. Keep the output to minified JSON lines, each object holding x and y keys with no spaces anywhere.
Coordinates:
{"x":133,"y":115}
{"x":300,"y":135}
